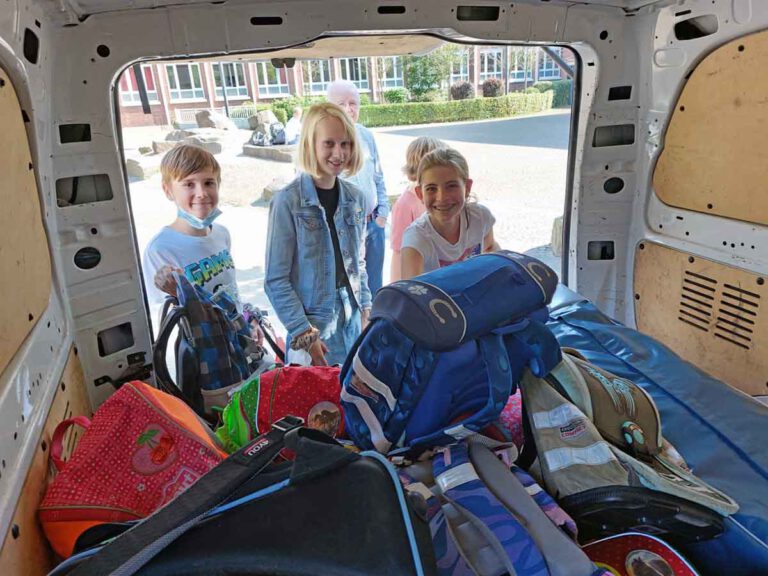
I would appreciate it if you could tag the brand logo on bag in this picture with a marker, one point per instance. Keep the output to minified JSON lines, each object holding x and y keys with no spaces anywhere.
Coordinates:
{"x":156,"y":450}
{"x":257,"y":447}
{"x":433,"y":304}
{"x":417,"y":290}
{"x":184,"y":479}
{"x":572,"y":429}
{"x":620,"y":392}
{"x":358,"y":385}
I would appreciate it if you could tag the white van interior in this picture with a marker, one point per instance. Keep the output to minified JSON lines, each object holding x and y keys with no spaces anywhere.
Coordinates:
{"x":666,"y":218}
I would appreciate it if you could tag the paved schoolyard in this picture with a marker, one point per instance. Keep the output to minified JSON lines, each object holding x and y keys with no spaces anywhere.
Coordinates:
{"x":518,"y":165}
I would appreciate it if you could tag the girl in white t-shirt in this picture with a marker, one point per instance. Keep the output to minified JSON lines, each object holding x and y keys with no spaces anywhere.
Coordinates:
{"x":451,"y":230}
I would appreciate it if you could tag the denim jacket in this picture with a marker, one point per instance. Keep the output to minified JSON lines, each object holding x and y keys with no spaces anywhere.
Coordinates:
{"x":300,"y":265}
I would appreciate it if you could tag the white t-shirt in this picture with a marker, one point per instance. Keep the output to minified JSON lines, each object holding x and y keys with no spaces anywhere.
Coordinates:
{"x":206,"y":261}
{"x":476,"y":222}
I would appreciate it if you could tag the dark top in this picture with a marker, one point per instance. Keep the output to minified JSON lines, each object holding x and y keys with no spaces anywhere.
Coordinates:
{"x":329,"y":200}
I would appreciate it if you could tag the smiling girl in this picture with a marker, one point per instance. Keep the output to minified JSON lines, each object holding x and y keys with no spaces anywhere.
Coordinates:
{"x":451,"y":229}
{"x":315,"y":267}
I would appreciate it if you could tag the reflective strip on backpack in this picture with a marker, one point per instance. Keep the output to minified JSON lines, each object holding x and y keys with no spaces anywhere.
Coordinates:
{"x":369,"y":418}
{"x":557,"y":417}
{"x":456,"y":476}
{"x":373,"y":383}
{"x":594,"y":455}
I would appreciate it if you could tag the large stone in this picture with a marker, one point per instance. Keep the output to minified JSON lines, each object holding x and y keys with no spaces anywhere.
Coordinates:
{"x":209,"y":119}
{"x":277,"y":184}
{"x":141,"y":169}
{"x":278,"y":153}
{"x":261,"y":120}
{"x":177,"y":135}
{"x":162,"y":146}
{"x":557,"y":237}
{"x":207,"y":145}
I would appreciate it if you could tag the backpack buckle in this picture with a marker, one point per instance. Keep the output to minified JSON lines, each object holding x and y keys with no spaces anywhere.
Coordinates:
{"x":287,"y":423}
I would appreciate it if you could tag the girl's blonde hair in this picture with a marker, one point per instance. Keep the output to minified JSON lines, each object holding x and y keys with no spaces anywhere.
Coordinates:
{"x":444,"y":157}
{"x":305,"y":157}
{"x":416,"y":151}
{"x":184,"y":160}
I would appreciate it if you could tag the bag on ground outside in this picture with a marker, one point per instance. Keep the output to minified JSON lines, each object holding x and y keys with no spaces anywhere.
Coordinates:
{"x":311,"y":393}
{"x":444,"y":350}
{"x":277,"y":132}
{"x":141,"y":449}
{"x":214,"y":351}
{"x":330,"y":511}
{"x":600,"y":450}
{"x":259,"y":138}
{"x":488,"y":519}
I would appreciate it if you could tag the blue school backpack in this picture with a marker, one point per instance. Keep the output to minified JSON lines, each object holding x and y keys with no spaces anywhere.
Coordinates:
{"x":444,"y":351}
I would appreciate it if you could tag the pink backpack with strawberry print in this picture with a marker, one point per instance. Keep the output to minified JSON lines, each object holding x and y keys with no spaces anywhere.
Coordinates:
{"x":141,"y":449}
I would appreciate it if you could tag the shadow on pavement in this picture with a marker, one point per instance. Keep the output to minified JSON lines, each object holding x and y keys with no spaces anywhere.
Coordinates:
{"x":548,"y":131}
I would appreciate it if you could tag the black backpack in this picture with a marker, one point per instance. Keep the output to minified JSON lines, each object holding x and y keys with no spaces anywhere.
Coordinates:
{"x":277,"y":131}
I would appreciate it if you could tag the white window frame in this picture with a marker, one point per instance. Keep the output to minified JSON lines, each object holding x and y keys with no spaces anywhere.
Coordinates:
{"x":548,"y":68}
{"x":269,"y":89}
{"x":363,"y":84}
{"x":490,"y":56}
{"x":463,"y":73}
{"x":240,"y":89}
{"x":395,"y":79}
{"x":131,"y":96}
{"x":176,"y":94}
{"x":516,"y":74}
{"x":323,"y":67}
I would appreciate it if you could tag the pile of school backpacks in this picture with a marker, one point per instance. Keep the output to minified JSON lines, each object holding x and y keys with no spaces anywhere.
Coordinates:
{"x":424,"y":476}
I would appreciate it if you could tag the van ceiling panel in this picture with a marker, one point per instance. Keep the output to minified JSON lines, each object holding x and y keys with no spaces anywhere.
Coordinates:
{"x":714,"y":159}
{"x":24,"y":257}
{"x":84,"y":8}
{"x":710,"y":314}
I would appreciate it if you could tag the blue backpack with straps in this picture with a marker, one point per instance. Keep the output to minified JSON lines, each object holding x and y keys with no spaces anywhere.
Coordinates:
{"x":444,"y":351}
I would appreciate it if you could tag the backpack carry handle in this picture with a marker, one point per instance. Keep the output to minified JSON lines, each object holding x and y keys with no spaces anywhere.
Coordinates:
{"x":57,"y":440}
{"x":159,"y":350}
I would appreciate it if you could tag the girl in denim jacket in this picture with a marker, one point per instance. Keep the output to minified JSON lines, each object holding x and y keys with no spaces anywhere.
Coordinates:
{"x":315,"y":265}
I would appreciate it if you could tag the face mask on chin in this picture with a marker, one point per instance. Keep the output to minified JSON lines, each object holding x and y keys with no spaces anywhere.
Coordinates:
{"x":198,"y":223}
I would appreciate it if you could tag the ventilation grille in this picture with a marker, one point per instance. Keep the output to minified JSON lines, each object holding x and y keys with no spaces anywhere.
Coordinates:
{"x":728,"y":312}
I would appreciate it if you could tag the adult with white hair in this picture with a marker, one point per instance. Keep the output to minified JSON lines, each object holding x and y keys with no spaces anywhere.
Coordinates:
{"x":370,"y":180}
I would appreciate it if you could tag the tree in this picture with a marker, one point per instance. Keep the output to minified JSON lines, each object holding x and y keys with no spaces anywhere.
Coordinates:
{"x":424,"y":74}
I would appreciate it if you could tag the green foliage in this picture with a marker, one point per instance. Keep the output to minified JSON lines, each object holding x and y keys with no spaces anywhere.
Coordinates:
{"x":455,"y":110}
{"x":543,"y":86}
{"x":396,"y":96}
{"x":492,"y":88}
{"x":562,"y":98}
{"x":281,"y":115}
{"x":145,"y":150}
{"x":431,"y":96}
{"x":365,"y":100}
{"x":531,"y":90}
{"x":424,"y":74}
{"x":462,"y":91}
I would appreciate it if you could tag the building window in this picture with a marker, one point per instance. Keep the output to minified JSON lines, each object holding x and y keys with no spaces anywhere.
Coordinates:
{"x":521,"y":62}
{"x":392,"y":73}
{"x":548,"y":69}
{"x":234,"y":79}
{"x":184,"y":82}
{"x":129,"y":89}
{"x":491,"y":64}
{"x":317,"y":76}
{"x":272,"y":81}
{"x":460,"y":69}
{"x":356,"y":71}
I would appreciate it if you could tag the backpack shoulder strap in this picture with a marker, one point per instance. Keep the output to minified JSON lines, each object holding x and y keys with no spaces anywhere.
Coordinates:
{"x":172,"y":317}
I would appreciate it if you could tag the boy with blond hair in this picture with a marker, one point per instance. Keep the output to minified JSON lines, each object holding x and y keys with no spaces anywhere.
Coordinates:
{"x":192,"y":244}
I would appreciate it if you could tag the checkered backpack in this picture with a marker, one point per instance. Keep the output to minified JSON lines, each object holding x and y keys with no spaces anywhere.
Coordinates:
{"x":214,"y":348}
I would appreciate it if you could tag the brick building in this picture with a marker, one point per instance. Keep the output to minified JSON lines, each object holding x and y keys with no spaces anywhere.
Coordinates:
{"x":177,"y":90}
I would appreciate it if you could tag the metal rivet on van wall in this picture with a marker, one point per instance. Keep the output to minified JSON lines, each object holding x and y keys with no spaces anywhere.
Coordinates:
{"x":15,"y":531}
{"x":741,"y":47}
{"x":604,"y":35}
{"x":642,"y":246}
{"x":102,"y":50}
{"x":760,"y":281}
{"x":691,"y":259}
{"x":2,"y":82}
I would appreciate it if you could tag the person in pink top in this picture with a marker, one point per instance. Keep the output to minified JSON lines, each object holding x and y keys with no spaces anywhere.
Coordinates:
{"x":408,"y":206}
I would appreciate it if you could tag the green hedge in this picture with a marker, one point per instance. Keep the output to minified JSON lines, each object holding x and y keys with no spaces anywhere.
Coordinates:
{"x":455,"y":110}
